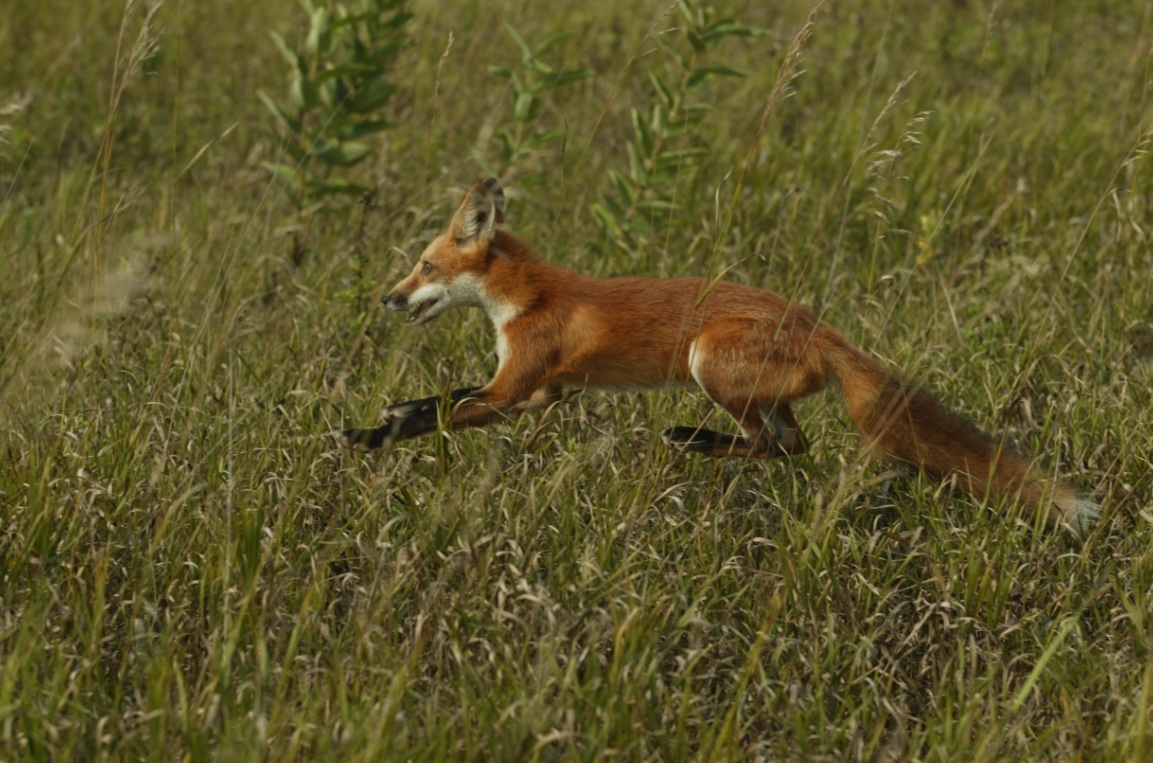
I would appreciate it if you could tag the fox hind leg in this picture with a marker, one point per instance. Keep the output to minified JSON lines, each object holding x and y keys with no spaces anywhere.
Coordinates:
{"x":780,"y":437}
{"x":786,"y":431}
{"x":720,"y":445}
{"x":715,"y":444}
{"x":749,"y":389}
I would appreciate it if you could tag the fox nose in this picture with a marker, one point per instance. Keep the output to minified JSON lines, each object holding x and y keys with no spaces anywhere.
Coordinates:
{"x":395,"y":301}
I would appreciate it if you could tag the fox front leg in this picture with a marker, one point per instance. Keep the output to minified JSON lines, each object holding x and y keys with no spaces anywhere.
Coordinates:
{"x":404,"y":421}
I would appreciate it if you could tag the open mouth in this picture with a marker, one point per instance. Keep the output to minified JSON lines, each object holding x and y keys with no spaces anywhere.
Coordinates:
{"x":420,"y":310}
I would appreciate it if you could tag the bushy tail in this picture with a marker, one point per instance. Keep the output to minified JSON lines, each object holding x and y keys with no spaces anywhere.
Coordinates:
{"x":906,"y":423}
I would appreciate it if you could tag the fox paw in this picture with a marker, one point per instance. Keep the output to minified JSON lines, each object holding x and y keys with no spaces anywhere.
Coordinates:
{"x":357,"y":439}
{"x":696,"y":440}
{"x":367,"y":439}
{"x":721,"y":445}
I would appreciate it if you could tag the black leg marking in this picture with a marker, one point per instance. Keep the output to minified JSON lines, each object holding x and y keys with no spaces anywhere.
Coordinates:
{"x":697,"y":440}
{"x":404,"y":421}
{"x":721,"y":445}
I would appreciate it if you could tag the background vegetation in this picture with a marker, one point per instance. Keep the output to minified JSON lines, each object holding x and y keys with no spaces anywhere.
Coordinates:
{"x":191,"y":569}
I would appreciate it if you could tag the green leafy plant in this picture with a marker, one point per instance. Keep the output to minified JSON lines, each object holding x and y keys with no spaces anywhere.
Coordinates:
{"x":339,"y":87}
{"x":662,"y":146}
{"x":528,"y":84}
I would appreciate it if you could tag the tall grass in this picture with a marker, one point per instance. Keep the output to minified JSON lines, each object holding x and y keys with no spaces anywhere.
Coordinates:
{"x":190,"y":568}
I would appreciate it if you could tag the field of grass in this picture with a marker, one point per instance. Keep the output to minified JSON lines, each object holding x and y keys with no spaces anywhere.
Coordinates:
{"x":192,"y":569}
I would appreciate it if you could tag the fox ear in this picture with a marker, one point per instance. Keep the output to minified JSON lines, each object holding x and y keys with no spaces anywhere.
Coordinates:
{"x":480,"y":212}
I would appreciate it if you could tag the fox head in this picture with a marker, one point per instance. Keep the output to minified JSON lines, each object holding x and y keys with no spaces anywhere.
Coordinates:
{"x":451,"y":269}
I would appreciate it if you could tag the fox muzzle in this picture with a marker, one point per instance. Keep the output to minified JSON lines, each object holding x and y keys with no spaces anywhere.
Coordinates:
{"x":395,"y":301}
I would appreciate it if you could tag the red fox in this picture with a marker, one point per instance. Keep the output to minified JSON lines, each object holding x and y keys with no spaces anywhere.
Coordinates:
{"x":753,"y":352}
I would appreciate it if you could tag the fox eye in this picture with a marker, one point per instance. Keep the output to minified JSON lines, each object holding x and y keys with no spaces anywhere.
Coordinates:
{"x":426,"y":268}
